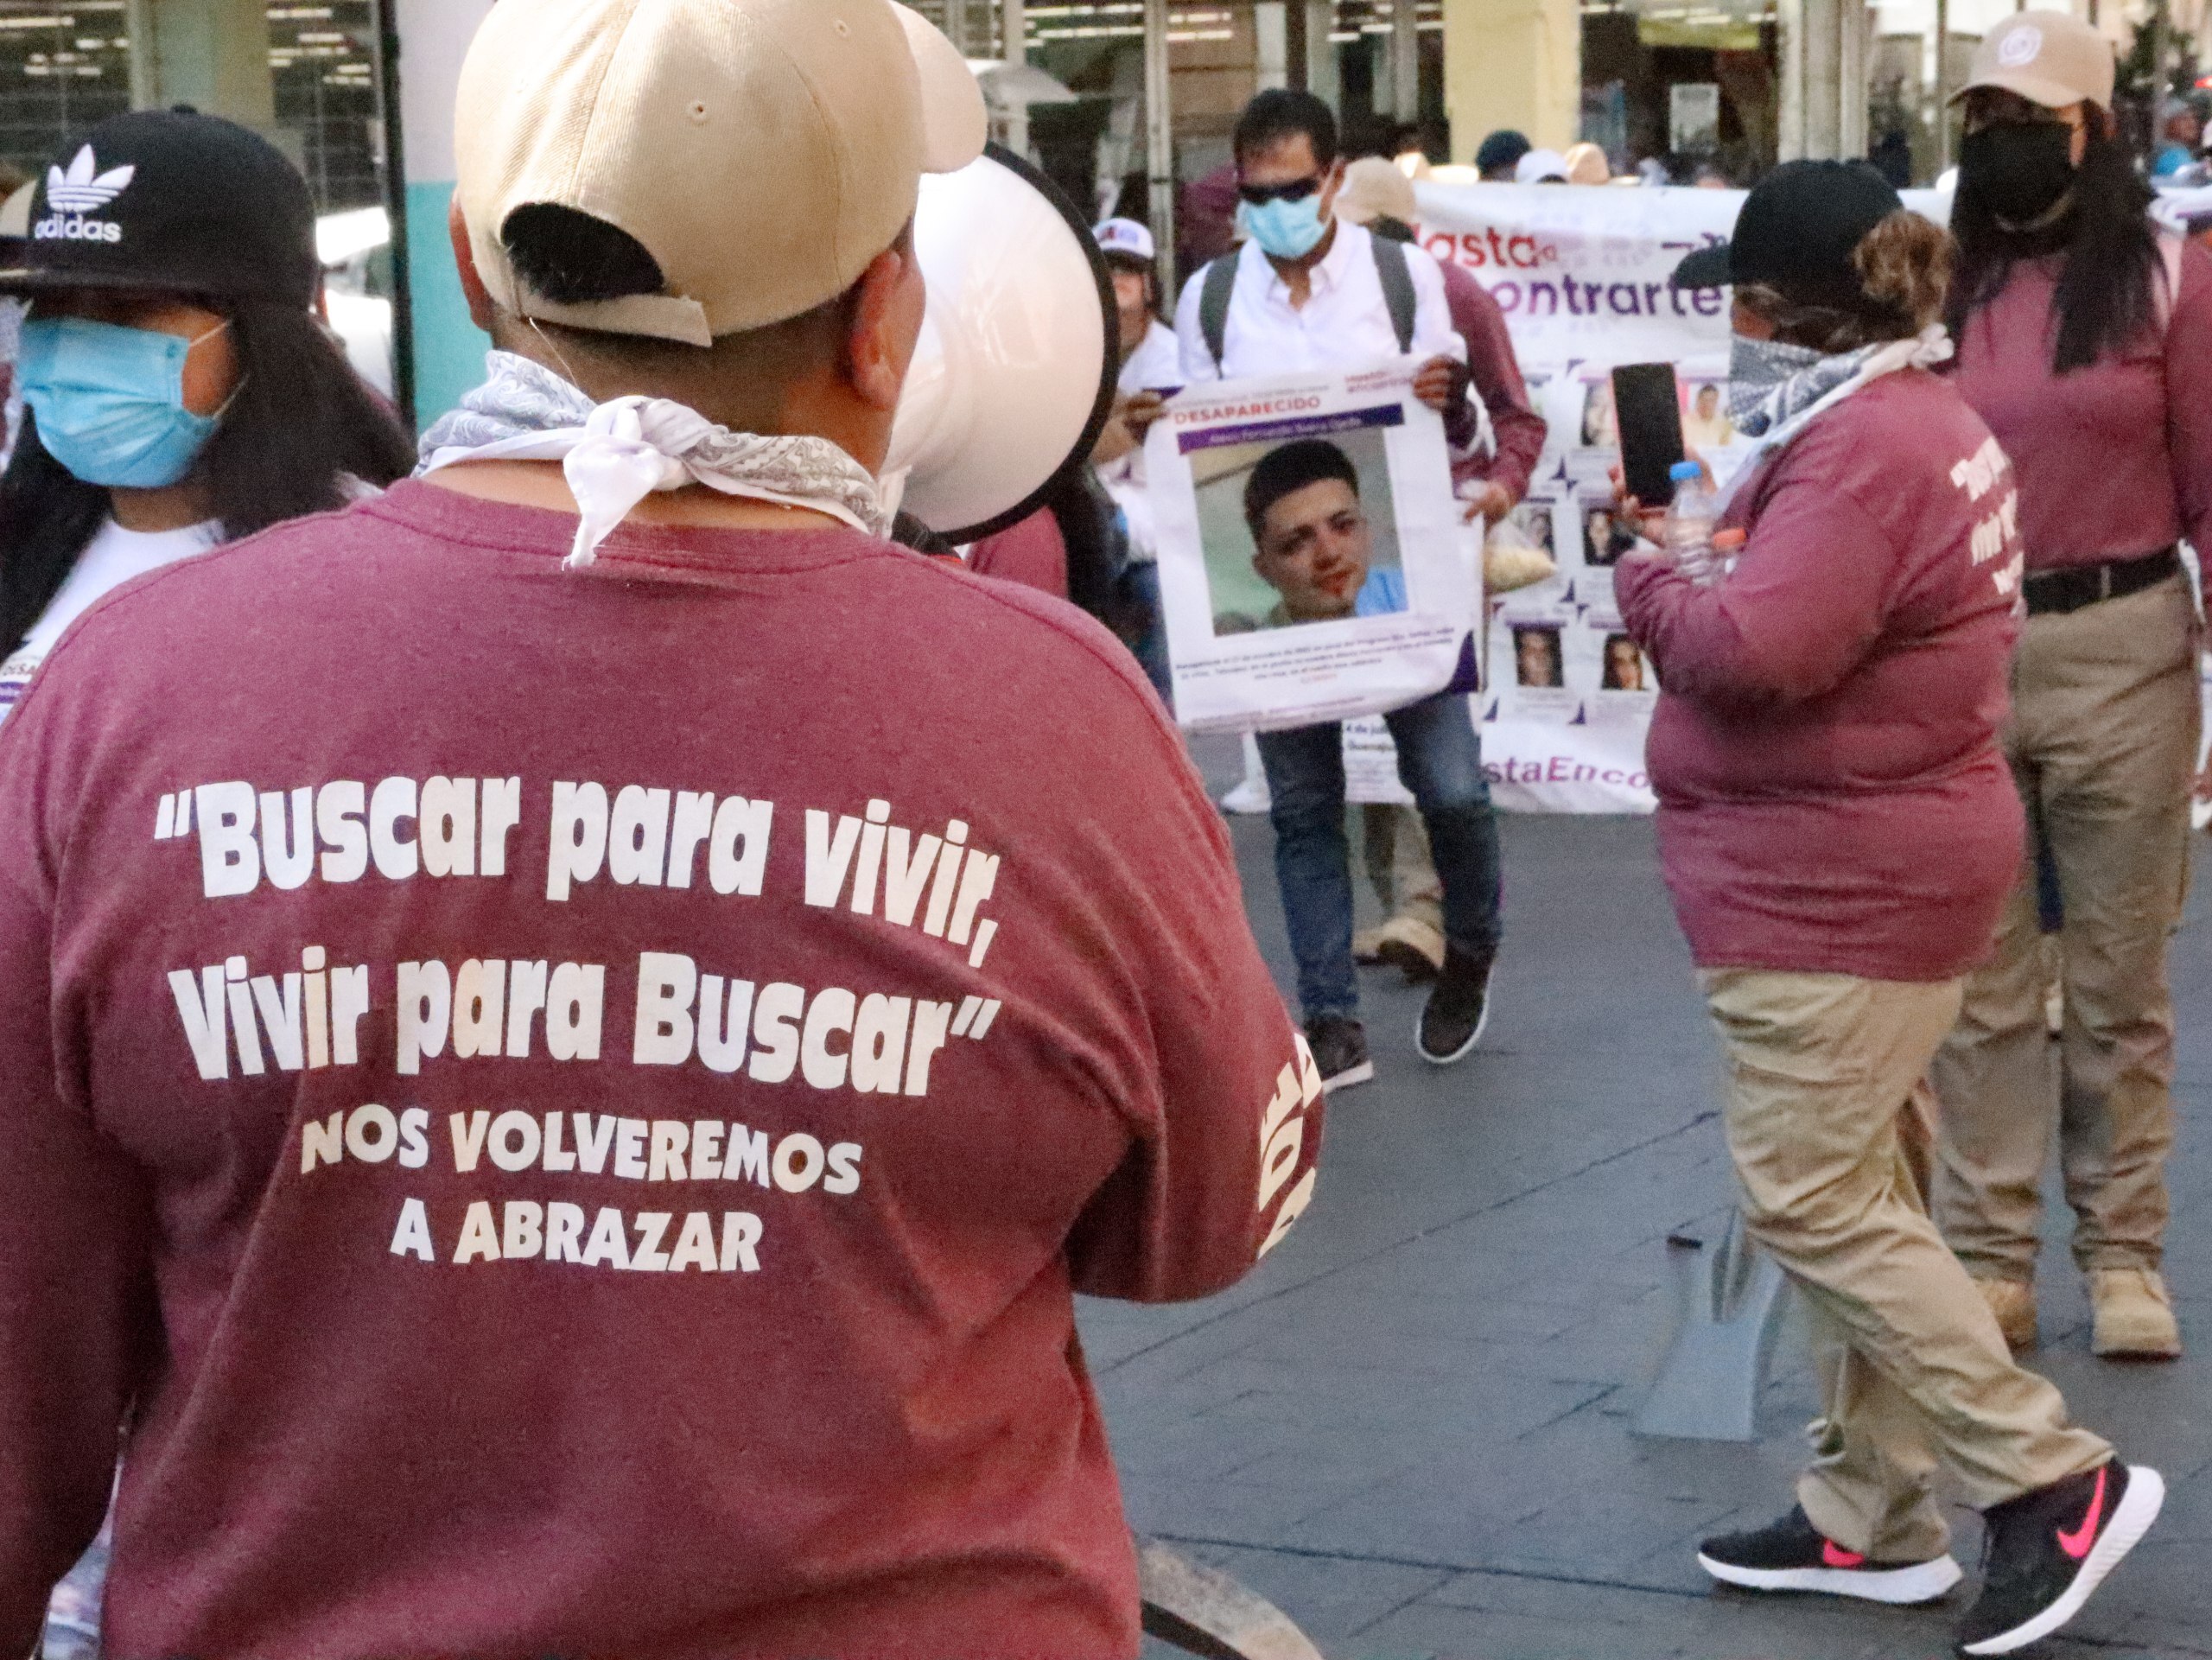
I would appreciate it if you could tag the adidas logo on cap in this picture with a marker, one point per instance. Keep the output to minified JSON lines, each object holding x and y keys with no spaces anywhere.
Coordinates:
{"x":76,"y":193}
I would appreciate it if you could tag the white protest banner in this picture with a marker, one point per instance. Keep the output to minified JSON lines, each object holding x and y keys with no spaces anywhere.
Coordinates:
{"x":1582,"y":276}
{"x":1313,"y":562}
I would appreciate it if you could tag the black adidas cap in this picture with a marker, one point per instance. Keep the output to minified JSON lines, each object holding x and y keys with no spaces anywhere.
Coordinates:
{"x":1798,"y":231}
{"x":170,"y":199}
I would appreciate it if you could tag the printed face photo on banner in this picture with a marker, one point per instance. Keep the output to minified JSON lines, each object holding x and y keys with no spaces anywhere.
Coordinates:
{"x":1625,"y":668}
{"x":1597,"y":534}
{"x":1536,"y":525}
{"x":1600,"y":427}
{"x":1298,"y":532}
{"x":1706,"y":424}
{"x":1537,"y":660}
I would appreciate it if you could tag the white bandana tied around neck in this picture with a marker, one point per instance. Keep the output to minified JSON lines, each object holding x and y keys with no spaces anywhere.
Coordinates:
{"x":616,"y":453}
{"x":1776,"y":390}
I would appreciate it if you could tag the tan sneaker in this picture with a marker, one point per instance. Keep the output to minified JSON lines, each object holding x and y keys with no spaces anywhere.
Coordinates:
{"x":1367,"y":947}
{"x":2135,"y":1319}
{"x":2013,"y":1302}
{"x":1411,"y":946}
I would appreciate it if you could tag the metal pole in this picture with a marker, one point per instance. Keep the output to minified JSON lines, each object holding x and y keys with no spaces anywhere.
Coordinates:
{"x":2161,"y":79}
{"x":1295,"y":47}
{"x":1013,"y":35}
{"x":1944,"y":86}
{"x":1854,"y":26}
{"x":395,"y":200}
{"x":1790,"y":126}
{"x":956,"y":24}
{"x":145,"y":55}
{"x":1405,"y":60}
{"x":1160,"y":140}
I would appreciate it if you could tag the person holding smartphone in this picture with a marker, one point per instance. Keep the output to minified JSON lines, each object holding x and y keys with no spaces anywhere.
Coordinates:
{"x":1838,"y":830}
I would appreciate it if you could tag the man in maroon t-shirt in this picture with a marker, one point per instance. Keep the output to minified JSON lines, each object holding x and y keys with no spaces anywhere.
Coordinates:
{"x":568,"y":1035}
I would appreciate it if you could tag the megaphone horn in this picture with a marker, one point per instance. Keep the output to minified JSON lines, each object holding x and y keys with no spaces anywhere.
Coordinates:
{"x":1013,"y":375}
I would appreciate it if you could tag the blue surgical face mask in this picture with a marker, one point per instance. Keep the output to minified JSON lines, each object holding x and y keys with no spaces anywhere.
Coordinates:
{"x":109,"y":400}
{"x":1287,"y":230}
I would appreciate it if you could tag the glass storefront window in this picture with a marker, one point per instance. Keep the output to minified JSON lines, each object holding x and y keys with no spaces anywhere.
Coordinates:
{"x":1691,"y":86}
{"x":307,"y":74}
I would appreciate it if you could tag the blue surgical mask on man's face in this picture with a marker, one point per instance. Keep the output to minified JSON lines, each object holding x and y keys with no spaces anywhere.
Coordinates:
{"x":109,"y":400}
{"x":1287,"y":230}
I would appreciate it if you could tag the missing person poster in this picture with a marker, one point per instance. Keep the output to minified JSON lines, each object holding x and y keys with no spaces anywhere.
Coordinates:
{"x":1313,"y":565}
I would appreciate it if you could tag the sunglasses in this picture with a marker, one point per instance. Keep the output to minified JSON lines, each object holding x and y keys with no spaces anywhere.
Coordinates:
{"x":1297,"y":190}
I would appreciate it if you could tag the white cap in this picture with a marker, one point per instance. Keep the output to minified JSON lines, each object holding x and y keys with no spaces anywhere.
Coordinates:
{"x":1540,"y":165}
{"x":1125,"y":236}
{"x":762,"y":151}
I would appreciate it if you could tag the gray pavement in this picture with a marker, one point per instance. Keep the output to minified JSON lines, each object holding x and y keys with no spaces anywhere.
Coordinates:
{"x":1410,"y":1428}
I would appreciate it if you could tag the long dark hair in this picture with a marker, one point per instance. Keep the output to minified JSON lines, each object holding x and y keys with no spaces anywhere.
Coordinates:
{"x":2104,"y":298}
{"x":302,"y":420}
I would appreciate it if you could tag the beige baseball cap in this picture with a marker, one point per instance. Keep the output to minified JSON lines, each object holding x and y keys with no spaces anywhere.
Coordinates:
{"x":1374,"y":189}
{"x":763,"y":151}
{"x":2050,"y":58}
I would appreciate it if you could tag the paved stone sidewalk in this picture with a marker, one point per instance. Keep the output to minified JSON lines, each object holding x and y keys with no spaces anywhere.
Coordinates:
{"x":1410,"y":1429}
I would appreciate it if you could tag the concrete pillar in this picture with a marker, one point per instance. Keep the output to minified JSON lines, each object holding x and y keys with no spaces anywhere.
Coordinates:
{"x":1405,"y":61}
{"x":1014,"y":39}
{"x":1824,"y":63}
{"x":1512,"y":63}
{"x":212,"y":54}
{"x":1271,"y":45}
{"x":434,"y":36}
{"x":1160,"y":141}
{"x":1321,"y":77}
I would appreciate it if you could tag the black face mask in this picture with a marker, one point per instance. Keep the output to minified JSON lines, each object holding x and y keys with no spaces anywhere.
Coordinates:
{"x":2019,"y":173}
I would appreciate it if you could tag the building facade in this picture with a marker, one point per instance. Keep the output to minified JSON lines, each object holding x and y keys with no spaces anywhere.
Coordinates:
{"x":1128,"y":104}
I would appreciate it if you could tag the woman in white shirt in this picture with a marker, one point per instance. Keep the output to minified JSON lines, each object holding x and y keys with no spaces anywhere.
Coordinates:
{"x":178,"y":388}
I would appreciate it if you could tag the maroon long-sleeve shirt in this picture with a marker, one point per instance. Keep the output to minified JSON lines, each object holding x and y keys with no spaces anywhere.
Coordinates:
{"x":2113,"y":460}
{"x":1832,"y":796}
{"x":568,"y":1107}
{"x":1496,"y":374}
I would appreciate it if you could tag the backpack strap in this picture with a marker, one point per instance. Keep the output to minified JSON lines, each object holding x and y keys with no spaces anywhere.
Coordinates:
{"x":1214,"y":286}
{"x":1397,"y":279}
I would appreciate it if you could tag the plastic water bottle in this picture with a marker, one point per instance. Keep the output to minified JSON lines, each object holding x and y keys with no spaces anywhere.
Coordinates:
{"x":1687,"y":534}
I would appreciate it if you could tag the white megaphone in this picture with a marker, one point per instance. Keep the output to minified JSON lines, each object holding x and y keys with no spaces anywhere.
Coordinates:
{"x":1013,"y":374}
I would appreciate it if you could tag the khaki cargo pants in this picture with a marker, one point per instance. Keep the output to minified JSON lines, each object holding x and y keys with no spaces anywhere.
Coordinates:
{"x":1399,"y":867}
{"x":1914,"y":1374}
{"x":2103,"y":744}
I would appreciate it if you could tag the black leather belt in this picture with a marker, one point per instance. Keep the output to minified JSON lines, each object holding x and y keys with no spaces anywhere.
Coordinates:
{"x":2050,"y":592}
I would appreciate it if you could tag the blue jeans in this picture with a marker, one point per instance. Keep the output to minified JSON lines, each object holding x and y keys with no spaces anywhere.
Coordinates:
{"x":1441,"y":760}
{"x":1140,"y":585}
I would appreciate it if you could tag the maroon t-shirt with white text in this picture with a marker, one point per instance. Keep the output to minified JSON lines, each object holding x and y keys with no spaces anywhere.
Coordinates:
{"x":567,"y":1108}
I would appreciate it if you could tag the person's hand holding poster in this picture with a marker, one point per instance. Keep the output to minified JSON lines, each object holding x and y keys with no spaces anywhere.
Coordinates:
{"x":1313,"y":564}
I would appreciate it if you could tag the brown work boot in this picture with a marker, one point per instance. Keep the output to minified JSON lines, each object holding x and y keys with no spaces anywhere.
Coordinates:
{"x":2135,"y":1318}
{"x":1413,"y":947}
{"x":2013,"y":1302}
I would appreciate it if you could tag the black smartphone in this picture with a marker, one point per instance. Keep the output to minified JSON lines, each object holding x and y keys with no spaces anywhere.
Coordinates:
{"x":1648,"y":409}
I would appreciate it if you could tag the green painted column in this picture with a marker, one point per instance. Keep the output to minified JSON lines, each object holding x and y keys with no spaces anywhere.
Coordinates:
{"x":434,"y":36}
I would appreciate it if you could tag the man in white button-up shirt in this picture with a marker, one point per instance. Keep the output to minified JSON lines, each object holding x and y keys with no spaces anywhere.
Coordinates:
{"x":1309,"y":293}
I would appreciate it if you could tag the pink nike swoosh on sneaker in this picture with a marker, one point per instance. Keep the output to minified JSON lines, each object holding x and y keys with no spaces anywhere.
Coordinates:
{"x":1834,"y":1555}
{"x":2076,"y":1544}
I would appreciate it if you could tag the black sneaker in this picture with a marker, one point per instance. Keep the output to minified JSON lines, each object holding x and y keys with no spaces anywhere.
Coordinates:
{"x":2047,"y":1550}
{"x":1457,"y":1010}
{"x":1792,"y":1555}
{"x":1339,"y":1046}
